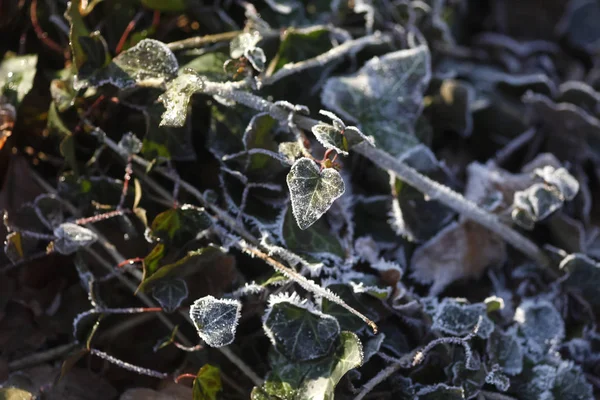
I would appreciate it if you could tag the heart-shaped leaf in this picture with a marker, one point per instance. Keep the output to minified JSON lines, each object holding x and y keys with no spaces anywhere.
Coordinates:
{"x":170,"y":293}
{"x":312,"y":191}
{"x":216,"y":319}
{"x":71,"y":237}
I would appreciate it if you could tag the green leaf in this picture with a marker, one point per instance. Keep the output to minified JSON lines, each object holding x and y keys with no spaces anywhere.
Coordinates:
{"x":16,"y":77}
{"x":311,"y":380}
{"x":207,"y":383}
{"x":168,"y":6}
{"x":259,"y":134}
{"x":57,"y":127}
{"x":12,"y":393}
{"x":216,"y":319}
{"x":317,"y":239}
{"x":297,"y":330}
{"x":384,"y":97}
{"x":209,"y":65}
{"x":170,"y":293}
{"x":299,"y":45}
{"x":177,"y":226}
{"x":312,"y":191}
{"x":177,"y":98}
{"x":154,"y":272}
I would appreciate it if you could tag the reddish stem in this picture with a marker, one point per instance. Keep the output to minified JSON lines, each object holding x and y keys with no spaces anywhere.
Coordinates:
{"x":130,"y":261}
{"x":155,"y":19}
{"x":101,"y":217}
{"x":39,"y":32}
{"x":182,"y":376}
{"x":126,"y":179}
{"x":130,"y":27}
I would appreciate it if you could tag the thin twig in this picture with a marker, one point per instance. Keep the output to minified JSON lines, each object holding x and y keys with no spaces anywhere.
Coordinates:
{"x":347,"y":48}
{"x":200,"y":41}
{"x":130,"y":27}
{"x":41,"y":357}
{"x":39,"y":32}
{"x":377,"y":379}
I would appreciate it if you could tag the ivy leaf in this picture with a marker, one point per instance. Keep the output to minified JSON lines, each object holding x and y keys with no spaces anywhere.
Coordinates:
{"x":216,"y":319}
{"x":384,"y":97}
{"x":583,"y":277}
{"x":314,"y":380}
{"x":243,"y":42}
{"x":297,"y":330}
{"x":153,"y":271}
{"x":16,"y":77}
{"x":170,"y":293}
{"x":316,"y":240}
{"x":71,"y":237}
{"x":505,"y":350}
{"x":177,"y":98}
{"x":259,"y":134}
{"x":299,"y":45}
{"x":571,"y":383}
{"x":312,"y":191}
{"x":178,"y":226}
{"x":541,"y":325}
{"x":331,"y":137}
{"x":459,"y":319}
{"x":207,"y":383}
{"x":359,"y":301}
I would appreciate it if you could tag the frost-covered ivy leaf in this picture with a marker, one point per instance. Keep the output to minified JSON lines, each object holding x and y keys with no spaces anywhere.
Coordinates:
{"x":471,"y":381}
{"x":498,"y":379}
{"x":566,"y":184}
{"x":257,"y":58}
{"x":314,"y":380}
{"x":291,"y":150}
{"x":460,"y":318}
{"x":542,"y":326}
{"x":583,"y":277}
{"x":50,"y":210}
{"x":209,"y":65}
{"x":413,"y":215}
{"x":299,"y":331}
{"x":312,"y":191}
{"x":170,"y":293}
{"x":16,"y":77}
{"x":216,"y":319}
{"x":505,"y":350}
{"x":177,"y":98}
{"x":243,"y":42}
{"x":331,"y":137}
{"x":168,"y":142}
{"x":440,"y":392}
{"x":180,"y":225}
{"x":71,"y":237}
{"x":540,"y":199}
{"x":130,"y":143}
{"x":149,"y":60}
{"x":535,"y":383}
{"x":571,"y":383}
{"x":384,"y":97}
{"x":462,"y":250}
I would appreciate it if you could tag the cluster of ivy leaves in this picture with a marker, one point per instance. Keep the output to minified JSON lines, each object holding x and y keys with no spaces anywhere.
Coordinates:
{"x":200,"y":131}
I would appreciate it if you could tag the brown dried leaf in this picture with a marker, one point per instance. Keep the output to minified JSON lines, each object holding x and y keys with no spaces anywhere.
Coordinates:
{"x":461,"y":250}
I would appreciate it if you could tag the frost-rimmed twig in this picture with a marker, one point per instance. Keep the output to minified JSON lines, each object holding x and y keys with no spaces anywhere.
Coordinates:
{"x":250,"y":152}
{"x":127,"y":366}
{"x":199,"y":41}
{"x":305,"y":283}
{"x":432,"y":189}
{"x":349,"y":47}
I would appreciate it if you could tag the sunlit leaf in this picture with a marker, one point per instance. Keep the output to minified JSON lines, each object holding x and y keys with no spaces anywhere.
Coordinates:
{"x":71,"y":237}
{"x":179,"y":225}
{"x":216,"y":319}
{"x":207,"y":383}
{"x":312,"y":191}
{"x":12,"y":393}
{"x":16,"y":77}
{"x":177,"y":98}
